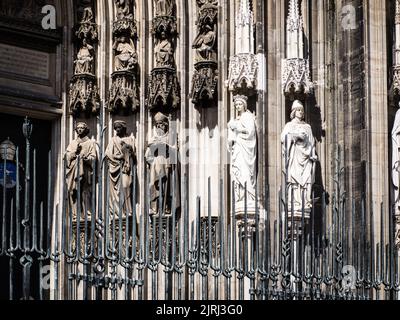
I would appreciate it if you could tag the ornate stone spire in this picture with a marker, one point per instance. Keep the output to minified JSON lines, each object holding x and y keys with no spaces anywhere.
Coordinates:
{"x":243,"y":66}
{"x":295,"y":68}
{"x":396,"y":52}
{"x":244,"y":29}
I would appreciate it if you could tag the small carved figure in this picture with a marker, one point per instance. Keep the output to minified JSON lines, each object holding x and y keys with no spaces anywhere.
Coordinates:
{"x":80,"y":156}
{"x":84,"y":62}
{"x":123,"y":8}
{"x":87,"y":15}
{"x":163,"y":8}
{"x":164,"y":52}
{"x":125,"y":54}
{"x":205,"y":44}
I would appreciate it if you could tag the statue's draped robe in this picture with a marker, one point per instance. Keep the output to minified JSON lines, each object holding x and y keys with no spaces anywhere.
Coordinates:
{"x":126,"y":57}
{"x":244,"y":156}
{"x":396,"y":173}
{"x":84,"y":61}
{"x":87,"y":155}
{"x":165,"y":161}
{"x":120,"y":169}
{"x":301,"y":156}
{"x":164,"y":53}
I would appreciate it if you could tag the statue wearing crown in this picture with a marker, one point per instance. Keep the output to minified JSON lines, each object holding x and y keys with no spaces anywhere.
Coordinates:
{"x":242,"y":144}
{"x":162,"y":160}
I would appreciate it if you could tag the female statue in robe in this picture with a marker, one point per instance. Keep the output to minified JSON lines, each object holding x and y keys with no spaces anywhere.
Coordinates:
{"x":242,"y":143}
{"x":84,"y":62}
{"x":396,"y":173}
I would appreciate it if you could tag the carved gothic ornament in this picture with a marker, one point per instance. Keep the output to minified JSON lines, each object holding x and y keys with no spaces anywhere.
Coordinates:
{"x":205,"y":84}
{"x":83,"y":93}
{"x":87,"y":28}
{"x":164,"y":90}
{"x":243,"y":72}
{"x":205,"y":78}
{"x":296,"y":77}
{"x":124,"y":93}
{"x":396,"y":80}
{"x":166,"y":24}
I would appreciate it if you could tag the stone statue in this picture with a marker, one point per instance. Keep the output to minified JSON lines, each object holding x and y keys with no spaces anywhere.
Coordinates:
{"x":85,"y":149}
{"x":125,"y":54}
{"x":162,"y":159}
{"x":396,"y":173}
{"x":87,"y":15}
{"x":120,"y":154}
{"x":163,"y":8}
{"x":123,"y":8}
{"x":84,"y":62}
{"x":242,"y":143}
{"x":205,"y":44}
{"x":298,"y":149}
{"x":164,"y":52}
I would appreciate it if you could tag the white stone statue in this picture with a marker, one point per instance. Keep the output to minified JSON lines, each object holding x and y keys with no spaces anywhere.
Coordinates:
{"x":396,"y":172}
{"x":298,"y":149}
{"x":242,"y":143}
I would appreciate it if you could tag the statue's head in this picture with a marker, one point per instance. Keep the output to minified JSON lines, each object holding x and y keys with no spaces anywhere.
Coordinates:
{"x":120,"y":128}
{"x":297,"y":110}
{"x":161,"y":123}
{"x":240,"y":103}
{"x":82,"y":129}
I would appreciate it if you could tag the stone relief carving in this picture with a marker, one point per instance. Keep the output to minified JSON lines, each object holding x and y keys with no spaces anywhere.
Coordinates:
{"x":83,"y":91}
{"x":124,"y":91}
{"x":242,"y":144}
{"x":205,"y":78}
{"x":163,"y":90}
{"x":164,"y":8}
{"x":120,"y":155}
{"x":162,"y":160}
{"x":299,"y":154}
{"x":80,"y":157}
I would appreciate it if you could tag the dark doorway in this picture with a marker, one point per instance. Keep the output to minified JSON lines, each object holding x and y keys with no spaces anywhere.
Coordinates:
{"x":11,"y":129}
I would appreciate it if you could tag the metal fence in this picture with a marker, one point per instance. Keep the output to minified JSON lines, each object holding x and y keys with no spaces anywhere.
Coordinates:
{"x":47,"y":254}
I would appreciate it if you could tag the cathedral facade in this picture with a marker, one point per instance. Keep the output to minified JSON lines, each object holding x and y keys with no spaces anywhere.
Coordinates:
{"x":200,"y":149}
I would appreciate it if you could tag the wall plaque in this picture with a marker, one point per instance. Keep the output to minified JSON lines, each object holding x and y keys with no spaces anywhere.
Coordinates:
{"x":25,"y":62}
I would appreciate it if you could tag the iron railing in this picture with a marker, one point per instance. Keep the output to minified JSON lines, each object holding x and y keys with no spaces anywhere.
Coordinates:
{"x":190,"y":254}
